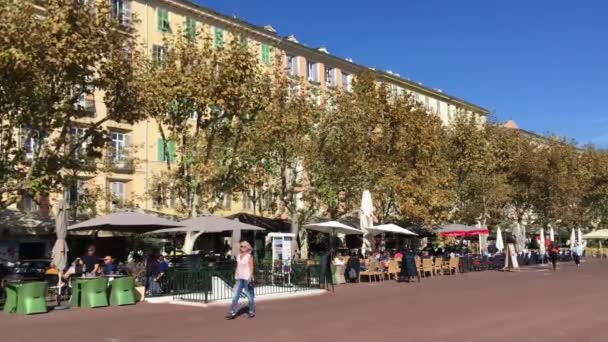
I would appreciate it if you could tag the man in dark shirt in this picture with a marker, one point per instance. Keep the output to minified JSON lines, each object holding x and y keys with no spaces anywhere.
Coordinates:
{"x":108,"y":266}
{"x":91,"y":262}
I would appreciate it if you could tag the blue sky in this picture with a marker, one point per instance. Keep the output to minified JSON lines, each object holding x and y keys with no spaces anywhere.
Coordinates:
{"x":543,"y":63}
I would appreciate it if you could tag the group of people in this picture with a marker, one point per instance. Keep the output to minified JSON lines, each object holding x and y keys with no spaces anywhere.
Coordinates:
{"x":88,"y":264}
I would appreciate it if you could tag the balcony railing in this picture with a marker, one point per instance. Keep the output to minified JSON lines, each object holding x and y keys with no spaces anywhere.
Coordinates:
{"x":122,"y":163}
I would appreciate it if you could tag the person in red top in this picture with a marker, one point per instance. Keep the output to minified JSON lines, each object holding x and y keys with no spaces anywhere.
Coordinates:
{"x":553,"y":252}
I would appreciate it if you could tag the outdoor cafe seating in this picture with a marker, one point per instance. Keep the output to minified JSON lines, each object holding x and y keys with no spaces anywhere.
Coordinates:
{"x":26,"y":298}
{"x":93,"y":292}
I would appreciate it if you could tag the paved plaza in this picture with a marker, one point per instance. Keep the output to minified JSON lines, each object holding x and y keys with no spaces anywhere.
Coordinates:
{"x":532,"y":305}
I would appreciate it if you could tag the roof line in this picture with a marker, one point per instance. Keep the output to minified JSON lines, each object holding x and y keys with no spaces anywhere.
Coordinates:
{"x":272,"y":36}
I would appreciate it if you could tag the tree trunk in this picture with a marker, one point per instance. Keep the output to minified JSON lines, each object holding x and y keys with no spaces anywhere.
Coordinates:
{"x":295,"y":227}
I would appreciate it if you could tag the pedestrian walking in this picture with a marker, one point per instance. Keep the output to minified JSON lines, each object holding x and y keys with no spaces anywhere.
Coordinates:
{"x":577,"y":253}
{"x":244,"y":280}
{"x":326,"y":273}
{"x":553,"y":253}
{"x":408,"y":267}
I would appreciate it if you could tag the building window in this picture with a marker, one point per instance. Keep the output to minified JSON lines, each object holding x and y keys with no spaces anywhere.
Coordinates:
{"x":218,"y":38}
{"x":28,"y":204}
{"x":312,"y":71}
{"x":294,"y":90}
{"x":247,"y":203}
{"x":427,"y":102}
{"x":119,"y":146}
{"x":438,"y":107}
{"x":226,"y":202}
{"x":77,"y":136}
{"x":159,"y":54}
{"x":29,"y":142}
{"x":266,"y":54}
{"x":449,"y":112}
{"x":292,"y":66}
{"x":118,"y":193}
{"x":29,"y":145}
{"x":394,"y":90}
{"x":86,"y":103}
{"x":121,"y":11}
{"x":77,"y":192}
{"x":190,"y":29}
{"x":315,"y":97}
{"x":163,"y":20}
{"x":330,"y":76}
{"x":162,"y":153}
{"x":347,"y":81}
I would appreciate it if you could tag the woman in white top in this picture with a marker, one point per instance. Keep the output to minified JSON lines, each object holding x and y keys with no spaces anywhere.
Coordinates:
{"x":243,"y":277}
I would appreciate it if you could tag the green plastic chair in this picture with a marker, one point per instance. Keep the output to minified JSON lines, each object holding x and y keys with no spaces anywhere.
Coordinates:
{"x":76,"y":284}
{"x":122,"y":292}
{"x":26,"y":299}
{"x":10,"y":304}
{"x":94,"y":293}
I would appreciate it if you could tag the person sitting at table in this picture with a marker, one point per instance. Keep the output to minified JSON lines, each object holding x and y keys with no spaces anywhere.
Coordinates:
{"x":108,"y":266}
{"x":353,"y":267}
{"x":52,"y":270}
{"x":75,"y":268}
{"x":91,"y":261}
{"x":364,"y":263}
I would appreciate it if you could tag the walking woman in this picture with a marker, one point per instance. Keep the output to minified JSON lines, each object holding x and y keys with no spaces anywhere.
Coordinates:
{"x":408,"y":267}
{"x":553,"y":252}
{"x":244,"y":280}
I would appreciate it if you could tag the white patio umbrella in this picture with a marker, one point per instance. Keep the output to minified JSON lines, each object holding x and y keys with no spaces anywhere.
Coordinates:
{"x":600,"y":234}
{"x":580,"y":237}
{"x":59,"y":253}
{"x":333,"y":227}
{"x":500,"y":245}
{"x":366,"y":220}
{"x":572,"y":239}
{"x":542,"y":242}
{"x":60,"y":249}
{"x":551,"y":234}
{"x":235,"y":242}
{"x":391,"y":228}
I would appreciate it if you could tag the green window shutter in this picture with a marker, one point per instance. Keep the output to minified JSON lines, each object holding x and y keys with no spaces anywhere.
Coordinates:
{"x":244,"y":41}
{"x":219,"y":38}
{"x":160,"y":150}
{"x":172,"y":151}
{"x":266,"y":54}
{"x":190,"y":28}
{"x":163,"y":20}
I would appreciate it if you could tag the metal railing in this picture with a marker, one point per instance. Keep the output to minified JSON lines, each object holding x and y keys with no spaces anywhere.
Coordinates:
{"x":214,"y":282}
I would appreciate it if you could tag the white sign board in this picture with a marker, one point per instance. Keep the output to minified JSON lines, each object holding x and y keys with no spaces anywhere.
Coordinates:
{"x":282,"y":244}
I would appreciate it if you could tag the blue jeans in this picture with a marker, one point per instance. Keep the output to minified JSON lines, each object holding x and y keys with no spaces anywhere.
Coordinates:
{"x":241,"y":286}
{"x":153,"y":286}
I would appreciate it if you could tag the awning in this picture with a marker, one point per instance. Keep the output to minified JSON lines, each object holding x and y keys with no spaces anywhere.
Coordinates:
{"x":461,"y":230}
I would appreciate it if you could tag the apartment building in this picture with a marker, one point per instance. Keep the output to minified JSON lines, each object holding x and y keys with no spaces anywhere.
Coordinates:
{"x":136,"y":153}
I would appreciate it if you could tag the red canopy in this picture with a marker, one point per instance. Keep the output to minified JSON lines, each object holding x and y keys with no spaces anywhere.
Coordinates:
{"x":460,"y":230}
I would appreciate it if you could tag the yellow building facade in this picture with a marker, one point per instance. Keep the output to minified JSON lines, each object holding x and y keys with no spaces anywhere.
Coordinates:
{"x":134,"y":155}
